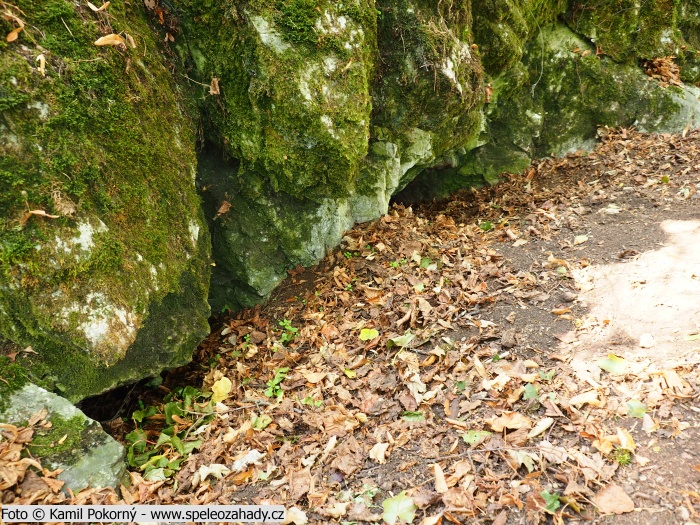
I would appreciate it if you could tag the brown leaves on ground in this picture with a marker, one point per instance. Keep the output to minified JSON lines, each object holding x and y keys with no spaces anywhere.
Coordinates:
{"x":401,"y":378}
{"x":665,"y":70}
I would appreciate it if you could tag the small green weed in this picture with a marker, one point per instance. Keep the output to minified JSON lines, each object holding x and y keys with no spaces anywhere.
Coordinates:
{"x":310,"y":401}
{"x":273,"y":385}
{"x":288,"y":331}
{"x":622,"y":456}
{"x":184,"y":410}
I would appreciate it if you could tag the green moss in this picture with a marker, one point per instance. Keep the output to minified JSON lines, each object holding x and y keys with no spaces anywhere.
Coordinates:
{"x":12,"y":378}
{"x":626,"y":29}
{"x":46,"y":442}
{"x":413,"y":90}
{"x":294,"y":78}
{"x":502,"y":29}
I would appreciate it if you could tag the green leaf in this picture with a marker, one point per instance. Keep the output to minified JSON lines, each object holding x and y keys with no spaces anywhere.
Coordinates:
{"x":613,"y":364}
{"x":162,"y":439}
{"x":425,"y":262}
{"x":551,"y":501}
{"x":531,"y":392}
{"x":460,"y":386}
{"x":399,"y":509}
{"x":176,"y":442}
{"x":636,"y":408}
{"x":140,"y":415}
{"x":403,"y":341}
{"x":261,"y":421}
{"x":547,"y":376}
{"x":280,"y":375}
{"x":412,"y":416}
{"x":350,"y":373}
{"x":172,"y":409}
{"x":475,"y":437}
{"x":155,"y":474}
{"x":486,"y":226}
{"x":367,"y":334}
{"x":191,"y":445}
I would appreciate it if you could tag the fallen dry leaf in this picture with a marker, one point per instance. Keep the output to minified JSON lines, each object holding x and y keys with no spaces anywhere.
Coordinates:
{"x":98,"y":9}
{"x":110,"y":40}
{"x":613,"y":500}
{"x":440,"y":483}
{"x":40,"y":213}
{"x":379,"y":452}
{"x":511,"y":420}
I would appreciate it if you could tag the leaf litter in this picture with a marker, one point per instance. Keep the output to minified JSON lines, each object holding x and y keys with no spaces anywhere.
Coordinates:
{"x":425,"y":372}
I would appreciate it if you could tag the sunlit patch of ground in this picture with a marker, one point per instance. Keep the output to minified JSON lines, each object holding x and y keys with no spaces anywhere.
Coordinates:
{"x":648,"y":307}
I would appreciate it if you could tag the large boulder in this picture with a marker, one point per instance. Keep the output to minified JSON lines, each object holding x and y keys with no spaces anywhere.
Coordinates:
{"x":104,"y":252}
{"x":317,"y":112}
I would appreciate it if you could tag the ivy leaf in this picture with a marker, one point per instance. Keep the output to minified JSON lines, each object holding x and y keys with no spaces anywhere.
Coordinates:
{"x":547,"y":376}
{"x":412,"y":416}
{"x":261,"y":422}
{"x":613,"y":364}
{"x":551,"y":501}
{"x":399,"y":509}
{"x":156,"y":474}
{"x":403,"y":341}
{"x":367,"y":334}
{"x":636,"y":408}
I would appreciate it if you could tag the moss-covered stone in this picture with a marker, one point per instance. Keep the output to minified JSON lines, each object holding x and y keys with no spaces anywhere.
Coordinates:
{"x":294,"y":104}
{"x":326,"y":109}
{"x":99,"y":137}
{"x":64,"y":438}
{"x":552,"y":102}
{"x":626,"y":30}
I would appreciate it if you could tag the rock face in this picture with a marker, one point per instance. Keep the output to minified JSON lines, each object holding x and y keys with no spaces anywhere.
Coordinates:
{"x":103,"y":246}
{"x":72,"y":442}
{"x":327,"y":109}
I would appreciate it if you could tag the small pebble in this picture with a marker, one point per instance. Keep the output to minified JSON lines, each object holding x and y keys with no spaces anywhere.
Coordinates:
{"x":569,"y":296}
{"x":508,"y":339}
{"x":683,"y":513}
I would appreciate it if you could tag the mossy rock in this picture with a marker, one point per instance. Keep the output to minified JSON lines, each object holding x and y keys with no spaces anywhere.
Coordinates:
{"x":325,"y":110}
{"x":113,"y":287}
{"x":64,"y":438}
{"x":553,"y":102}
{"x":294,"y":103}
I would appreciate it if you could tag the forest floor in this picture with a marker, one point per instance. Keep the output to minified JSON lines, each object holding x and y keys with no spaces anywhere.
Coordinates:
{"x":524,"y":353}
